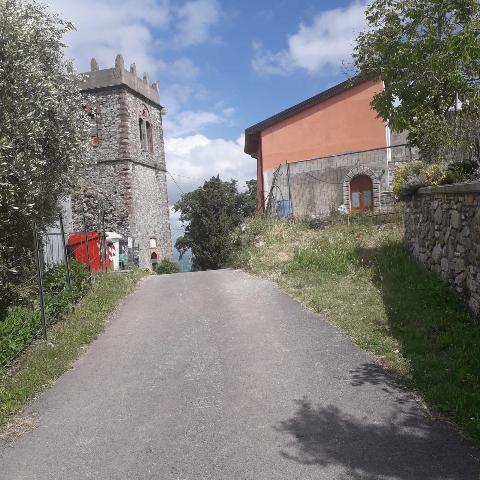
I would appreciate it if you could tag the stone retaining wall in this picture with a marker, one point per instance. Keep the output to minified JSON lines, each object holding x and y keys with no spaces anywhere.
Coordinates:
{"x":442,"y":230}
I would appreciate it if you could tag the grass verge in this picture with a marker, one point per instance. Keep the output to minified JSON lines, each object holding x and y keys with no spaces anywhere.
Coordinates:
{"x":362,"y":278}
{"x":44,"y":362}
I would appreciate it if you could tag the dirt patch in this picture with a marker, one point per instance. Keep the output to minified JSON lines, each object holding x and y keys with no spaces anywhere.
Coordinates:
{"x":20,"y":425}
{"x":283,"y":256}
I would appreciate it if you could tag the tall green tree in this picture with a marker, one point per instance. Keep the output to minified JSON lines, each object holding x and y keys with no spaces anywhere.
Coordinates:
{"x":212,"y":213}
{"x":428,"y":55}
{"x":249,"y":198}
{"x":43,"y":130}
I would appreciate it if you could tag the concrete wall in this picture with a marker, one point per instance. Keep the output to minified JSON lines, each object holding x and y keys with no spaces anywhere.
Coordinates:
{"x":442,"y":230}
{"x":317,"y":187}
{"x":343,"y":123}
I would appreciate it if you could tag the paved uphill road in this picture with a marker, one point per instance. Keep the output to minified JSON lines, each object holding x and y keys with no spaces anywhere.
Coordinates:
{"x":218,"y":375}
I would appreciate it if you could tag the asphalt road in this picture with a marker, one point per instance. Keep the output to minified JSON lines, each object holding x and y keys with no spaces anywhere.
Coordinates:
{"x":218,"y":375}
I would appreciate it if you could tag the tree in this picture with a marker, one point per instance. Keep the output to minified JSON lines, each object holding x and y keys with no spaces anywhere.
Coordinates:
{"x":212,"y":213}
{"x":43,"y":128}
{"x":428,"y":55}
{"x":249,"y":198}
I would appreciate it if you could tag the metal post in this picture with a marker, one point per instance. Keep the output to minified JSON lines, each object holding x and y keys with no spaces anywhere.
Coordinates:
{"x":100,"y":237}
{"x":290,"y":204}
{"x":65,"y":254}
{"x":104,"y":241}
{"x":86,"y":242}
{"x":39,"y":279}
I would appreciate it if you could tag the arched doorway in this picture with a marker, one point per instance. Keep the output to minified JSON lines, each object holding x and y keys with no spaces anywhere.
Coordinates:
{"x":361,"y":194}
{"x":154,"y":261}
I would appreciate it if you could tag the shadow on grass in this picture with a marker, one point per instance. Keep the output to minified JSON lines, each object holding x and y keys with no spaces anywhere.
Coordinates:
{"x":438,"y":338}
{"x":405,"y":446}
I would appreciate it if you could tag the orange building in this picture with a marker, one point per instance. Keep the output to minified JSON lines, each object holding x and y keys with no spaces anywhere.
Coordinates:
{"x":337,"y":136}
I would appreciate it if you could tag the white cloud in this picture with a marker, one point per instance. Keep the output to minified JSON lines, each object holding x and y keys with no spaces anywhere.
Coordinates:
{"x":324,"y":44}
{"x":186,"y":122}
{"x":229,"y":111}
{"x":176,"y":226}
{"x":138,"y":29}
{"x":196,"y":17}
{"x":108,"y":27}
{"x":196,"y":158}
{"x":267,"y":63}
{"x":182,"y":69}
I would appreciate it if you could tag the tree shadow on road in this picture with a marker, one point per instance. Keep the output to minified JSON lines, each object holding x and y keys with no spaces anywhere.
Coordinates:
{"x":375,"y":375}
{"x":406,"y":446}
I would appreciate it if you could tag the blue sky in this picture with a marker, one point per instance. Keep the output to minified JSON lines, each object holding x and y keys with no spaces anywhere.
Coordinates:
{"x":222,"y":65}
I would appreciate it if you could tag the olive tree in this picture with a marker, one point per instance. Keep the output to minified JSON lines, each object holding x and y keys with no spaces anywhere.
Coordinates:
{"x":43,"y":129}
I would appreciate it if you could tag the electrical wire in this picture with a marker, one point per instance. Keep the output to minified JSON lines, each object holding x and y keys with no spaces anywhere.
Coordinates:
{"x":175,"y":182}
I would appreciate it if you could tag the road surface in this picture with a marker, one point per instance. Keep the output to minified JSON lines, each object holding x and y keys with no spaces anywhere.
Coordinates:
{"x":219,"y":375}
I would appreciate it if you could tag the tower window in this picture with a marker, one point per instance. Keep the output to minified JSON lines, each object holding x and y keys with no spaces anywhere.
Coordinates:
{"x":143,"y":137}
{"x":93,"y":112}
{"x":149,"y":136}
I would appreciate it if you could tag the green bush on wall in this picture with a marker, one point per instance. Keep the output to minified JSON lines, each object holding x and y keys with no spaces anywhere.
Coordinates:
{"x":416,"y":174}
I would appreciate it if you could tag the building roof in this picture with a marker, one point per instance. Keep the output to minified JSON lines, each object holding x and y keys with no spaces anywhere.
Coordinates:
{"x":252,"y":134}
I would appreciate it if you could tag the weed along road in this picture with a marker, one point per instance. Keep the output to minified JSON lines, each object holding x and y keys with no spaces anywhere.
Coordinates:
{"x":219,"y":375}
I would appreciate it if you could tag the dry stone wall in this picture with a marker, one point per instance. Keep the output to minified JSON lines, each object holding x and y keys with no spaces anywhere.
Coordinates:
{"x":442,"y":230}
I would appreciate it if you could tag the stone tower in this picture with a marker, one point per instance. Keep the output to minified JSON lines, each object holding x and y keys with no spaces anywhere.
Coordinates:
{"x":125,"y":174}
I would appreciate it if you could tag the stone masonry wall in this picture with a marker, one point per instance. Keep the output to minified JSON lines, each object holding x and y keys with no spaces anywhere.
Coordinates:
{"x":106,"y":184}
{"x":150,"y":214}
{"x":126,"y":180}
{"x":442,"y":230}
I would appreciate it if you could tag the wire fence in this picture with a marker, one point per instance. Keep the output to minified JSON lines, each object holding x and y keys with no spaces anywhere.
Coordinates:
{"x":38,"y":288}
{"x":48,"y":274}
{"x":352,"y":183}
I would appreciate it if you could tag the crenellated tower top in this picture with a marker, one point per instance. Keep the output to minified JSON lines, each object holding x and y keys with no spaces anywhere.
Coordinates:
{"x":118,"y":76}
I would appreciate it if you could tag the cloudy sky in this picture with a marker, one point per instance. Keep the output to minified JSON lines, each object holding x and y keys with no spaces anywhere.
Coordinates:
{"x":222,"y":65}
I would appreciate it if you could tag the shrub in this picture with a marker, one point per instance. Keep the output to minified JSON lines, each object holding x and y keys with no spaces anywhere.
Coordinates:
{"x":59,"y":299}
{"x":16,"y":331}
{"x":22,"y":323}
{"x":415,"y":174}
{"x":166,"y":266}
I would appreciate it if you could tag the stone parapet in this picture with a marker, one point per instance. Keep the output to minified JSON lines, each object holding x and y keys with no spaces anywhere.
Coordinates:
{"x":442,"y":230}
{"x":118,"y":76}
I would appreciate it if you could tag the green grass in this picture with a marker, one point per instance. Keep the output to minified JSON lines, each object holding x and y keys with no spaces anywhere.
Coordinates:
{"x":44,"y":362}
{"x":362,"y":278}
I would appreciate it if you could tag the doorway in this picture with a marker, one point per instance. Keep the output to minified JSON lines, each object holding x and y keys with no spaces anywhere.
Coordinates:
{"x":361,"y":194}
{"x":154,"y":261}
